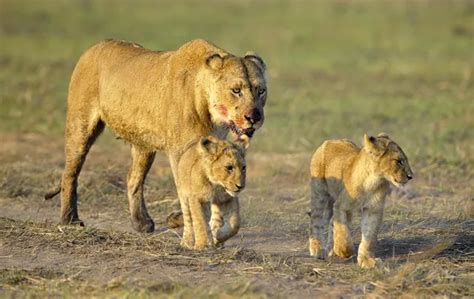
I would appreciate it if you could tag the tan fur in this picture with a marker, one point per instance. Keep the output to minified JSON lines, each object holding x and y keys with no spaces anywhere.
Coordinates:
{"x":345,"y":178}
{"x":210,"y":166}
{"x":156,"y":101}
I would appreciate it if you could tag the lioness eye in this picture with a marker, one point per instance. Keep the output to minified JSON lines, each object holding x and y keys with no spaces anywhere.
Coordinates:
{"x":229,"y":168}
{"x":236,"y":90}
{"x":399,"y":162}
{"x":244,"y":168}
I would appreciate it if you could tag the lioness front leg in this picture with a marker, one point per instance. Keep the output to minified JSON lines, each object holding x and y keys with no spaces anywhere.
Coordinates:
{"x":141,"y":163}
{"x":370,"y":225}
{"x":224,"y":230}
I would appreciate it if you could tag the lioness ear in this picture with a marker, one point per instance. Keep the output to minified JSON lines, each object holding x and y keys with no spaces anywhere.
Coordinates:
{"x":256,"y":59}
{"x":215,"y":61}
{"x":208,"y":145}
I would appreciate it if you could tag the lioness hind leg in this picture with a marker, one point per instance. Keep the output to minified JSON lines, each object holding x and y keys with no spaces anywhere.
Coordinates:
{"x":141,"y":163}
{"x":80,"y":135}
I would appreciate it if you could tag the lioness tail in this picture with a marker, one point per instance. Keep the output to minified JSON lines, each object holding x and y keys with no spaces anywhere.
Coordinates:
{"x":53,"y":192}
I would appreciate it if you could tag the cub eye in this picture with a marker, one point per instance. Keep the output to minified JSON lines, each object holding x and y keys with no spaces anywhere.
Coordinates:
{"x":244,"y":168}
{"x":261,"y":91}
{"x":229,"y":168}
{"x":236,"y":90}
{"x":399,"y":163}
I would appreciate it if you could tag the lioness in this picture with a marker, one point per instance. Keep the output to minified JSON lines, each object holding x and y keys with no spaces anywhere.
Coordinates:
{"x":156,"y":101}
{"x":345,"y":178}
{"x":210,"y":165}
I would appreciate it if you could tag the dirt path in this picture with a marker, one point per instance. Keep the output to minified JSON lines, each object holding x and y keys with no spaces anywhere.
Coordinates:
{"x":267,"y":258}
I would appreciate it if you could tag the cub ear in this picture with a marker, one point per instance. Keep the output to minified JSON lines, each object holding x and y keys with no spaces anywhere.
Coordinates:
{"x":373,"y":145}
{"x":383,"y":135}
{"x":256,"y":59}
{"x":215,"y":61}
{"x":208,"y":145}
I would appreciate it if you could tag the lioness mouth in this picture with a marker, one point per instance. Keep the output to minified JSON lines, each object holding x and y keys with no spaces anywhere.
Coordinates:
{"x":239,"y":132}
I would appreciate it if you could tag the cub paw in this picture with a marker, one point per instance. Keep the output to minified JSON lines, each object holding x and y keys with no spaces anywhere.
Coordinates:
{"x":188,"y":244}
{"x":369,"y":262}
{"x":316,"y":249}
{"x":175,"y":219}
{"x":345,"y":251}
{"x":201,"y":247}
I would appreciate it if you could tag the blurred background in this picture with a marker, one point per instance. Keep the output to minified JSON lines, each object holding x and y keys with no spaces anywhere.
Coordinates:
{"x":336,"y":68}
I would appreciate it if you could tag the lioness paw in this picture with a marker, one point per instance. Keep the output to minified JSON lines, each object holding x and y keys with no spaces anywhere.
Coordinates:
{"x":68,"y":221}
{"x":143,"y":225}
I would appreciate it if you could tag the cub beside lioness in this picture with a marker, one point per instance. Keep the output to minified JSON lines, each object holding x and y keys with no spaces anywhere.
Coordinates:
{"x":346,"y":178}
{"x":207,"y":167}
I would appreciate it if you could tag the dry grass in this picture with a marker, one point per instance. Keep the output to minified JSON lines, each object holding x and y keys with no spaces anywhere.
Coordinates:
{"x":336,"y":70}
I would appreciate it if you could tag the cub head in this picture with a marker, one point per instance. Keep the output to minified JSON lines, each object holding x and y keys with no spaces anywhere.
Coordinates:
{"x":237,"y":92}
{"x":390,"y":160}
{"x":224,"y":163}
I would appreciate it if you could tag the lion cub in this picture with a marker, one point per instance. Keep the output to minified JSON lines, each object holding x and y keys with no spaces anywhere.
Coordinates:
{"x":345,"y":178}
{"x":207,"y":167}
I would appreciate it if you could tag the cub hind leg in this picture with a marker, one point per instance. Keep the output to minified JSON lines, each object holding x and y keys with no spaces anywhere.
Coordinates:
{"x":321,"y":213}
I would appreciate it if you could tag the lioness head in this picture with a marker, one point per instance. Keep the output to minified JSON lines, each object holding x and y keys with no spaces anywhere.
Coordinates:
{"x":238,"y":92}
{"x":390,"y":160}
{"x":224,"y":163}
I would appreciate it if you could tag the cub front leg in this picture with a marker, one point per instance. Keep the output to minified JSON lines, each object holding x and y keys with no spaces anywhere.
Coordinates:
{"x":202,"y":232}
{"x":342,"y":241}
{"x":188,"y":231}
{"x":370,"y":225}
{"x":224,"y":230}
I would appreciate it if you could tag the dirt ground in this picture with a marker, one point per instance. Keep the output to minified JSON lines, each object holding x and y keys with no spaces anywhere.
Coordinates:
{"x":426,"y":240}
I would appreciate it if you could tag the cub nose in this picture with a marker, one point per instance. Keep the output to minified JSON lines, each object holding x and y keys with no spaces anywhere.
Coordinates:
{"x":254,"y":117}
{"x":239,"y":187}
{"x":409,"y":176}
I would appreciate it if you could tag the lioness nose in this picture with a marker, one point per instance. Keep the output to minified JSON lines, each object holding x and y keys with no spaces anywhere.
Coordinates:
{"x":254,"y":117}
{"x":239,"y":187}
{"x":409,"y":176}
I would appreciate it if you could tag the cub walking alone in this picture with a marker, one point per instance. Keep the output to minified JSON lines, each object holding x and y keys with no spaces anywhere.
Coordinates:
{"x":346,"y":178}
{"x":208,"y":167}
